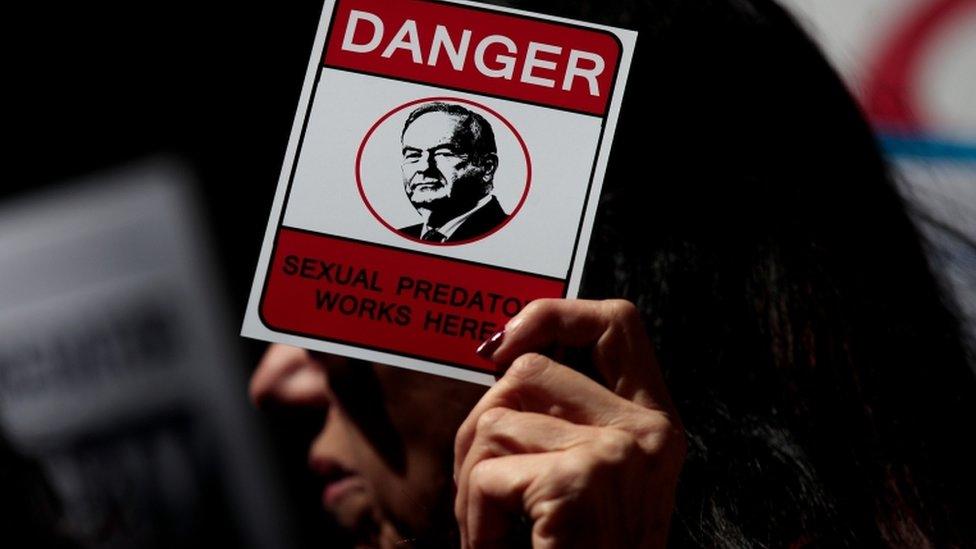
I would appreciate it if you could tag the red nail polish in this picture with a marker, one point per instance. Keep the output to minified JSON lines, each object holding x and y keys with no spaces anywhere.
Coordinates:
{"x":488,"y":348}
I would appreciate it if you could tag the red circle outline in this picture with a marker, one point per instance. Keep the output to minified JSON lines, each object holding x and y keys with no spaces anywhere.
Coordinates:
{"x":518,"y":137}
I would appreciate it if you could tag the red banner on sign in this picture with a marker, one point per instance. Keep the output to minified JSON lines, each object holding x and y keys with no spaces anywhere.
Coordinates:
{"x":392,"y":300}
{"x":503,"y":55}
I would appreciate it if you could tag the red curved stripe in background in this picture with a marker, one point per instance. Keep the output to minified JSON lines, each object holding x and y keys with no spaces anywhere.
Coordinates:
{"x":890,"y":94}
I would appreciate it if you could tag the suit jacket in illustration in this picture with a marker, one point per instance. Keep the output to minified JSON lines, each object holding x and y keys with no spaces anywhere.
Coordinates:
{"x":482,"y":221}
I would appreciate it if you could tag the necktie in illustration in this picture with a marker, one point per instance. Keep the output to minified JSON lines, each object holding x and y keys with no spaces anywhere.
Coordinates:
{"x":433,"y":235}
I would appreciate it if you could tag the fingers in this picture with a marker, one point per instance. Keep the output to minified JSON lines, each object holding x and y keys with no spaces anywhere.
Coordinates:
{"x":535,"y":383}
{"x":546,"y":437}
{"x":608,"y":482}
{"x":502,"y":431}
{"x":621,"y":350}
{"x":493,"y":509}
{"x":288,"y":375}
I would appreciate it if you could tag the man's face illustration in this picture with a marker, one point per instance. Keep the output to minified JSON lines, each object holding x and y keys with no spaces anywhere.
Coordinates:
{"x":439,"y":173}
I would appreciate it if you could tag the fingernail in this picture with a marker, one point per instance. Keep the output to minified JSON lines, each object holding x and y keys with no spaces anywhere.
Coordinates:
{"x":488,"y":348}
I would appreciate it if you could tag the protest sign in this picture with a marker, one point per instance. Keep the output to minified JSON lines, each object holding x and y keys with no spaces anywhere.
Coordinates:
{"x":118,"y":375}
{"x":443,"y":171}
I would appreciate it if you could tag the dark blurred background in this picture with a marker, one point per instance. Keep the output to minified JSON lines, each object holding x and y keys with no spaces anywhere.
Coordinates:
{"x":184,"y":109}
{"x":216,"y":85}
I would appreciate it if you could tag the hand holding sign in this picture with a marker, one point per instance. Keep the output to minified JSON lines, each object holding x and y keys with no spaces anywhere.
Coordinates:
{"x":588,"y":465}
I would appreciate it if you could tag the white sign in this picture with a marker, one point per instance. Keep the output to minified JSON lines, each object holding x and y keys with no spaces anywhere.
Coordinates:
{"x":443,"y":171}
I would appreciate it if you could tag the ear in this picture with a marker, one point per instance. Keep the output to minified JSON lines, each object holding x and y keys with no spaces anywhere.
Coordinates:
{"x":489,"y":163}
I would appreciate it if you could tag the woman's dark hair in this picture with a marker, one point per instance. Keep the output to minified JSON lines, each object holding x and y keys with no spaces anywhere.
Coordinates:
{"x":820,"y":372}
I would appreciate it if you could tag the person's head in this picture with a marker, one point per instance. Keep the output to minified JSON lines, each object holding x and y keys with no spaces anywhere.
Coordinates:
{"x":449,"y":158}
{"x":387,"y":437}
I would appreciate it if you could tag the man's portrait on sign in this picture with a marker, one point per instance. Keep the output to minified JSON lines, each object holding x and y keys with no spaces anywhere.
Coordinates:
{"x":449,"y":164}
{"x":463,"y":171}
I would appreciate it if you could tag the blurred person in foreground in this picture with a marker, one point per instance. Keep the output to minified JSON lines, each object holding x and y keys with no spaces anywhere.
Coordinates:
{"x":780,"y":367}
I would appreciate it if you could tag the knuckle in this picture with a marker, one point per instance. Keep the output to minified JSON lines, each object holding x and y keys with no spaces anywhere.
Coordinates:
{"x":575,"y":469}
{"x":540,"y":308}
{"x":662,"y":435}
{"x":541,"y":313}
{"x":612,"y":454}
{"x":526,"y":367}
{"x":584,"y":467}
{"x":618,"y":446}
{"x":623,"y":311}
{"x":480,"y":478}
{"x":489,"y":419}
{"x":650,"y":424}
